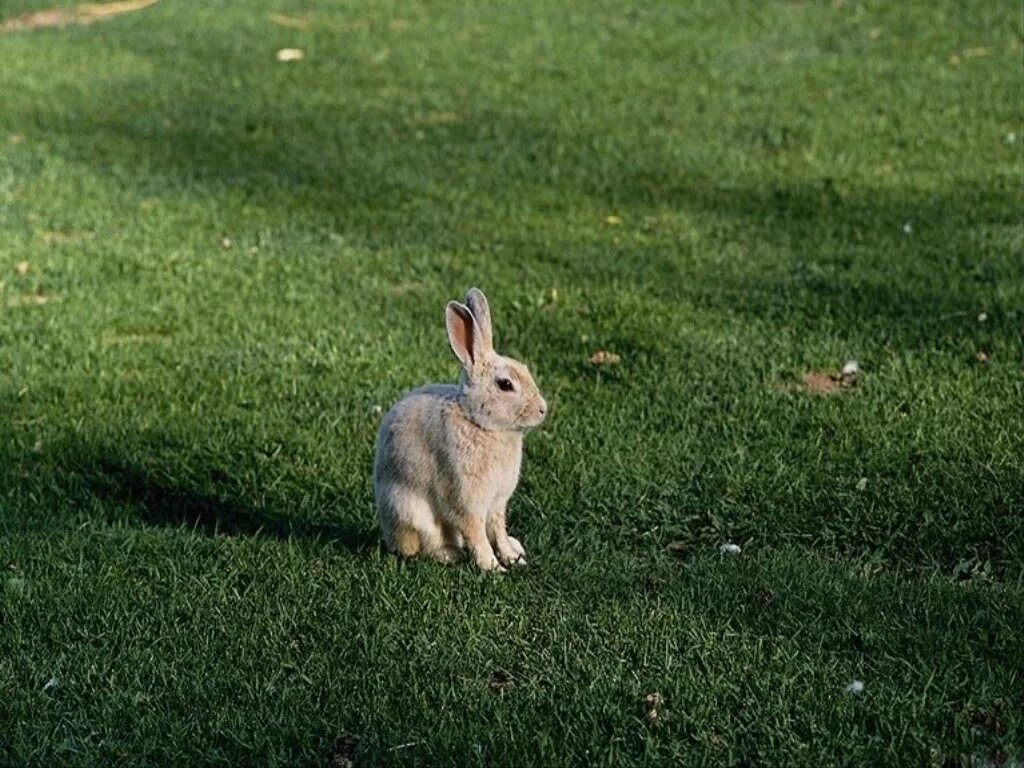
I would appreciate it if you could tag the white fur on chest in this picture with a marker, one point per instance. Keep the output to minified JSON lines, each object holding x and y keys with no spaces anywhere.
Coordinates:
{"x":489,"y":462}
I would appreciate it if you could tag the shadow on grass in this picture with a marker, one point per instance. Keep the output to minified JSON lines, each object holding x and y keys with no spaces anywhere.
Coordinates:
{"x":385,"y":166}
{"x":162,"y":503}
{"x":66,"y":484}
{"x":894,"y":260}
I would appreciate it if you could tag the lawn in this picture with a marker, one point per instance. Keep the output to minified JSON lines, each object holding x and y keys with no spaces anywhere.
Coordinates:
{"x":216,"y":270}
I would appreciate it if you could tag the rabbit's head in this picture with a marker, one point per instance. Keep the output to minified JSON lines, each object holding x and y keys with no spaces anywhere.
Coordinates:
{"x":498,"y":393}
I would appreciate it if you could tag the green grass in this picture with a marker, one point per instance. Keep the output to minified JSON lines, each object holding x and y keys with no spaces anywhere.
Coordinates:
{"x":186,"y":436}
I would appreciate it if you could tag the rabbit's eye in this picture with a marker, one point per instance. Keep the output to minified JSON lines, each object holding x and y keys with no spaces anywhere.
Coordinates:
{"x":505,"y":385}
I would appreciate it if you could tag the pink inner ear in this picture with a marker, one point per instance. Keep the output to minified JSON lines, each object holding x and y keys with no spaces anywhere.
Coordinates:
{"x":462,"y":332}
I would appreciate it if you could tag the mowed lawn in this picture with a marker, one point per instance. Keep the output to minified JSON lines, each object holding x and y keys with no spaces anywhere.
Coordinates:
{"x":216,"y":270}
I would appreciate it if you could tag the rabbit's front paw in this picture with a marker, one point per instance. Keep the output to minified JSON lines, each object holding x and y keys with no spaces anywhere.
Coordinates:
{"x":513,"y":553}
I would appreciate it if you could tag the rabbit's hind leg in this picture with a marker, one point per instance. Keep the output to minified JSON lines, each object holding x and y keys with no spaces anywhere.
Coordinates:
{"x":418,"y":531}
{"x":410,"y":542}
{"x":450,"y":548}
{"x":438,"y":542}
{"x":407,"y":541}
{"x":405,"y":519}
{"x":411,"y":528}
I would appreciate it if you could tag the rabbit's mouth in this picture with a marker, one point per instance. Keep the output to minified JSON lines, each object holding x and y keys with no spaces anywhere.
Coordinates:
{"x":533,"y":415}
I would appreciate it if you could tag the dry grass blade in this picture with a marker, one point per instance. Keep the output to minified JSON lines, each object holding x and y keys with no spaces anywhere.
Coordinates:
{"x":135,"y":338}
{"x":440,"y":118}
{"x":28,"y":300}
{"x":604,"y":357}
{"x":90,"y":12}
{"x":821,"y":383}
{"x":56,"y":18}
{"x":82,"y":15}
{"x":292,"y":22}
{"x":974,"y":53}
{"x":825,"y":383}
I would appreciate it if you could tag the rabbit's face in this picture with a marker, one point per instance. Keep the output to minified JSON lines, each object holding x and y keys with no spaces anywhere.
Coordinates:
{"x":502,"y":395}
{"x":498,"y":392}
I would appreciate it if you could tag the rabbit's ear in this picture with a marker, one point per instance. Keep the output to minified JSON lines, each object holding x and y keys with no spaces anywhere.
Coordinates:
{"x":477,"y":303}
{"x":463,"y":334}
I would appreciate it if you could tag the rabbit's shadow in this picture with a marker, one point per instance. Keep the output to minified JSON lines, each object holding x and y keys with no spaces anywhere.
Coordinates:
{"x":167,"y":504}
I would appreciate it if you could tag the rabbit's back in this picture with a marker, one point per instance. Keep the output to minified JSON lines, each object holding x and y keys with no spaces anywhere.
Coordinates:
{"x":411,"y":444}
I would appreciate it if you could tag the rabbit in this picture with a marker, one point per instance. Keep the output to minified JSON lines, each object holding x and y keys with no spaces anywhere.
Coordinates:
{"x":448,"y":456}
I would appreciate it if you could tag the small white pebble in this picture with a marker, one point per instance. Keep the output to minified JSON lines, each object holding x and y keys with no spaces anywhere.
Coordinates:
{"x":982,"y":317}
{"x":289,"y":54}
{"x":729,"y":549}
{"x":908,"y":228}
{"x":856,"y":687}
{"x":851,"y":368}
{"x":862,"y":484}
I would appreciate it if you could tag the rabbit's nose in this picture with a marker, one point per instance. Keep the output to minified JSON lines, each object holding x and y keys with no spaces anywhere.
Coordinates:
{"x":543,"y":407}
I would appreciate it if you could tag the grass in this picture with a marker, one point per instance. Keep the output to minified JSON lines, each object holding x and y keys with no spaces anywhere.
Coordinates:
{"x":186,"y":516}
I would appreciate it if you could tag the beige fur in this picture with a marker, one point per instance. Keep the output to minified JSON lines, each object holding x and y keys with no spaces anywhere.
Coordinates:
{"x":448,"y":456}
